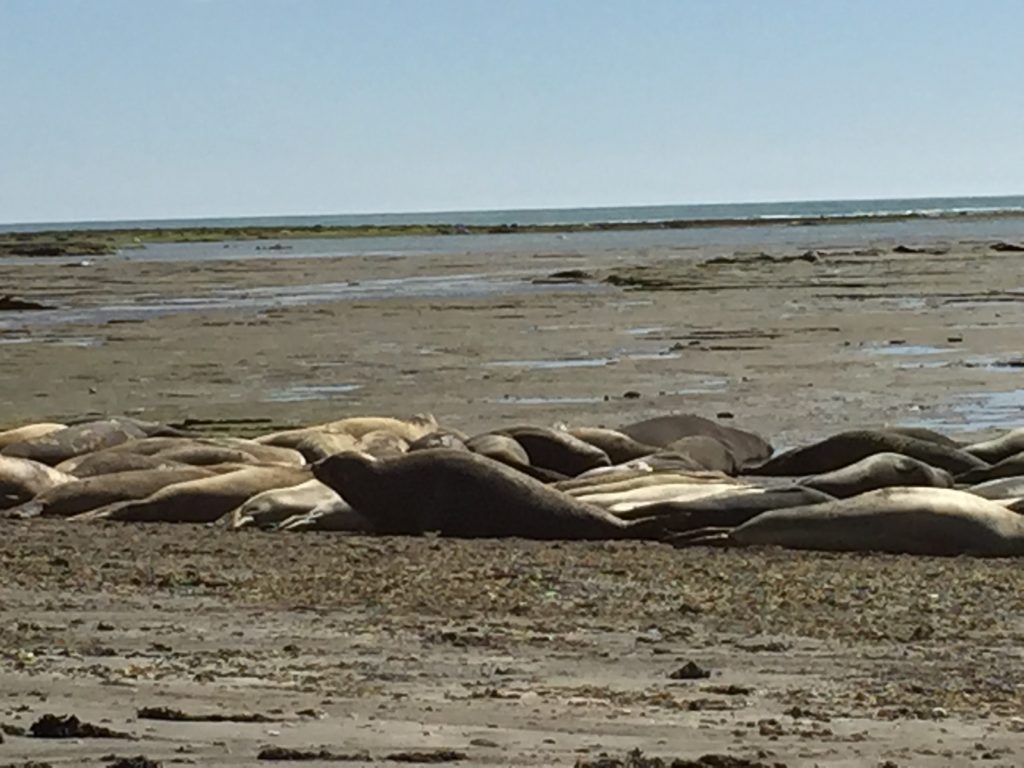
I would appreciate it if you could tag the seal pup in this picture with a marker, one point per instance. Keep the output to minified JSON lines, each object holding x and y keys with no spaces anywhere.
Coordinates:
{"x":464,"y":495}
{"x":999,"y":448}
{"x":846,"y":448}
{"x":1011,"y":466}
{"x":23,"y":479}
{"x":58,"y":446}
{"x":747,"y":447}
{"x":200,"y":501}
{"x":913,"y":521}
{"x":90,"y":493}
{"x":557,"y":450}
{"x":28,"y":432}
{"x":880,"y":470}
{"x":273,"y":506}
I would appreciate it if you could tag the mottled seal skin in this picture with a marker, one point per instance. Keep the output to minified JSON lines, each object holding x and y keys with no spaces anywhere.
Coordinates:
{"x":319,"y":445}
{"x":730,"y":509}
{"x":357,"y":426}
{"x":90,"y":493}
{"x":557,"y":450}
{"x":914,"y":521}
{"x":1003,"y":447}
{"x":201,"y":501}
{"x":1011,"y":466}
{"x":848,"y":447}
{"x":382,"y":444}
{"x":271,"y":507}
{"x":708,"y":452}
{"x":619,"y":446}
{"x":441,"y":438}
{"x":108,"y":462}
{"x":23,"y":479}
{"x":881,"y":470}
{"x":28,"y":432}
{"x":463,"y":495}
{"x":55,"y":447}
{"x":747,"y":447}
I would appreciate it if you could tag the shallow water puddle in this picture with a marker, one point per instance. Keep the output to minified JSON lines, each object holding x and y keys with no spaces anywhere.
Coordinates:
{"x":906,"y":349}
{"x":542,"y":400}
{"x":301,"y":392}
{"x":975,"y":412}
{"x":584,"y":362}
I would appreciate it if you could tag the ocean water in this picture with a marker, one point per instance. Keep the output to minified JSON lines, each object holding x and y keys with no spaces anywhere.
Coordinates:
{"x":797,"y":212}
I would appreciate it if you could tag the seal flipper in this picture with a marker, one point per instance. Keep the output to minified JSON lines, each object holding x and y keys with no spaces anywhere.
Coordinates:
{"x":719,"y":537}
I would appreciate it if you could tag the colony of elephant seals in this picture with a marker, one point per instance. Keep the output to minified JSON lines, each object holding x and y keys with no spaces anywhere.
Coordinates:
{"x":679,"y":478}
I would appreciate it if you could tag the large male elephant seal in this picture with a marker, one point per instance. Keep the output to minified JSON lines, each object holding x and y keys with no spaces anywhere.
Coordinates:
{"x":55,"y":447}
{"x":463,"y":495}
{"x":22,"y":479}
{"x":28,"y":432}
{"x":90,"y":493}
{"x":914,"y":521}
{"x":880,"y":470}
{"x":201,"y":501}
{"x":999,"y":448}
{"x":848,"y":447}
{"x":662,"y":430}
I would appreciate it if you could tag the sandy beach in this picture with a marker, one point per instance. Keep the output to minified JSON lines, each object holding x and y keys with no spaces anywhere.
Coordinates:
{"x":513,"y":653}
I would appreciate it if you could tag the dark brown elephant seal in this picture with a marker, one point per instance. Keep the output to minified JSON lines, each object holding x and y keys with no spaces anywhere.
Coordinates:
{"x":23,"y":479}
{"x":619,"y":446}
{"x":997,"y":449}
{"x":708,"y":452}
{"x":1011,"y":466}
{"x":55,"y":447}
{"x":109,"y":462}
{"x":509,"y":452}
{"x":848,"y":447}
{"x":747,"y":447}
{"x":441,"y":438}
{"x":881,"y":470}
{"x":557,"y":450}
{"x":201,"y":501}
{"x":914,"y":521}
{"x":463,"y":495}
{"x":90,"y":493}
{"x":922,"y":433}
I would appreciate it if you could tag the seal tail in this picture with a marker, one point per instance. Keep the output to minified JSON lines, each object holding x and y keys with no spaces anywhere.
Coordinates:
{"x":703,"y":537}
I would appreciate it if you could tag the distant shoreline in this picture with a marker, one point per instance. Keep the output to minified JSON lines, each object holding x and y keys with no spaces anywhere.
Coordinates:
{"x":101,"y":241}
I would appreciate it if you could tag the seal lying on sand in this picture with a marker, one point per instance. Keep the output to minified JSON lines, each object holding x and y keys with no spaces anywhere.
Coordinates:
{"x":273,"y":506}
{"x":728,"y":508}
{"x":848,"y":447}
{"x":463,"y":495}
{"x":1011,"y":466}
{"x":881,"y":470}
{"x":1002,"y":447}
{"x":355,"y":427}
{"x":55,"y":447}
{"x":662,"y":430}
{"x":619,"y":446}
{"x":90,"y":493}
{"x":201,"y":501}
{"x":28,"y":432}
{"x":914,"y":521}
{"x":557,"y":450}
{"x":22,"y":479}
{"x":509,"y":452}
{"x":1003,"y":488}
{"x":108,"y":462}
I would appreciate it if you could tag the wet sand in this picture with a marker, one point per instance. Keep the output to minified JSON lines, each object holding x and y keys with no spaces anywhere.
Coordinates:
{"x":512,"y":652}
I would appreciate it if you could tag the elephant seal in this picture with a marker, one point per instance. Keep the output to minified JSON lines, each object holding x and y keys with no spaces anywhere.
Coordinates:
{"x":708,"y":452}
{"x":848,"y":447}
{"x":922,"y":433}
{"x":747,"y":447}
{"x":382,"y":443}
{"x":199,"y":454}
{"x":211,"y":450}
{"x":108,"y":462}
{"x":1011,"y":466}
{"x":615,"y":484}
{"x":200,"y":501}
{"x":273,"y":506}
{"x":557,"y":450}
{"x":463,"y":495}
{"x":619,"y":446}
{"x":1003,"y":488}
{"x":28,"y":432}
{"x":335,"y":515}
{"x":90,"y":493}
{"x":55,"y":447}
{"x":913,"y":521}
{"x":441,"y":438}
{"x":728,"y":508}
{"x":997,"y":449}
{"x":356,"y":427}
{"x":23,"y":479}
{"x":635,"y":503}
{"x":880,"y":470}
{"x":319,"y":445}
{"x":509,"y":452}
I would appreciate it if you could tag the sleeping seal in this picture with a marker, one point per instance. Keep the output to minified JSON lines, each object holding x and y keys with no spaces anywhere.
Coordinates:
{"x":273,"y":506}
{"x":747,"y":447}
{"x":914,"y":521}
{"x":28,"y":432}
{"x":848,"y":447}
{"x":882,"y":470}
{"x":1011,"y":466}
{"x":58,"y":446}
{"x":22,"y":479}
{"x":999,"y":448}
{"x":463,"y":495}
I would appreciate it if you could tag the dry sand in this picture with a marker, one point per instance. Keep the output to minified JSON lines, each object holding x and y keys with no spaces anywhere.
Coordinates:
{"x":516,"y":653}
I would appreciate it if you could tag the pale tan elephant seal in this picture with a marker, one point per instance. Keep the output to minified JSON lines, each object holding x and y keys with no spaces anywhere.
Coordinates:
{"x":278,"y":504}
{"x":880,"y":470}
{"x":915,"y":521}
{"x":23,"y":479}
{"x":54,"y":447}
{"x":28,"y":432}
{"x":464,"y":495}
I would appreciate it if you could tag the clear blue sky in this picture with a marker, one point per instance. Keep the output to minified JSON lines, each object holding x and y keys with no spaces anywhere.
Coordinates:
{"x":115,"y":109}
